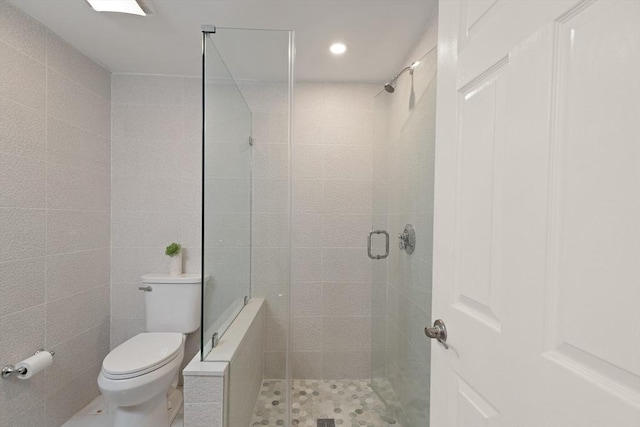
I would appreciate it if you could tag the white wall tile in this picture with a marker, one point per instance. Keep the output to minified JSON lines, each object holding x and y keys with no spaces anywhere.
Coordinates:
{"x":203,"y":415}
{"x":307,"y":333}
{"x":308,"y":230}
{"x":72,"y":103}
{"x":270,"y":230}
{"x":306,"y":365}
{"x":67,"y":60}
{"x":203,"y":389}
{"x":345,"y":230}
{"x":127,"y":301}
{"x":308,"y":196}
{"x":146,"y":89}
{"x":346,"y":265}
{"x":52,"y":177}
{"x":69,"y":399}
{"x":71,"y":231}
{"x":306,"y":299}
{"x":346,"y":333}
{"x":69,"y":188}
{"x":75,"y":147}
{"x":270,"y":265}
{"x":192,"y":94}
{"x":24,"y":131}
{"x":146,"y":193}
{"x":23,"y":182}
{"x":146,"y":229}
{"x":346,"y":299}
{"x":270,"y":161}
{"x":349,"y":127}
{"x":72,"y":273}
{"x":353,"y":196}
{"x":23,"y":233}
{"x":22,"y":32}
{"x":348,"y":162}
{"x":22,"y":283}
{"x":306,"y":265}
{"x":308,"y":161}
{"x":270,"y":127}
{"x":89,"y":310}
{"x":77,"y":355}
{"x":346,"y":364}
{"x":22,"y":78}
{"x":271,"y":195}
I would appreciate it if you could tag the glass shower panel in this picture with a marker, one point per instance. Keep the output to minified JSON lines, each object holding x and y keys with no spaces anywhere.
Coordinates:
{"x":226,"y":196}
{"x":404,"y":150}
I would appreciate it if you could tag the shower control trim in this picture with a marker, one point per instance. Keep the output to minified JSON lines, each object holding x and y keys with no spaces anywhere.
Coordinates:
{"x":371,"y":255}
{"x":408,"y":239}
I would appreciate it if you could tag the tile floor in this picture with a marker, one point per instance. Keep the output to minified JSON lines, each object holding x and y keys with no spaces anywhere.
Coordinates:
{"x":351,"y":403}
{"x":98,"y":414}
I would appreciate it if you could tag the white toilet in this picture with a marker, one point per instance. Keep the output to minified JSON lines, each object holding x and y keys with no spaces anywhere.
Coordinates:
{"x":140,"y":376}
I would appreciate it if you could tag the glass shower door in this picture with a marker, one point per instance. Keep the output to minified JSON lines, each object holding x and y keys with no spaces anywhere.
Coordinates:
{"x":403,"y":168}
{"x":226,"y":195}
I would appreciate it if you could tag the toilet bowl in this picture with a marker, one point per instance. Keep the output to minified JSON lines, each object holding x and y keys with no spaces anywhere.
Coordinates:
{"x":136,"y":375}
{"x":139,"y":376}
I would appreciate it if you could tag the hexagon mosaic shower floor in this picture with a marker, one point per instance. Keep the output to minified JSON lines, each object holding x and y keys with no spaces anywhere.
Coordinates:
{"x":351,"y":403}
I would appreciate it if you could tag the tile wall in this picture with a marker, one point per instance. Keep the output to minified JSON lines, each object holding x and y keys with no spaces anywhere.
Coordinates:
{"x":54,"y":220}
{"x":270,"y":234}
{"x":156,"y":179}
{"x":332,"y":205}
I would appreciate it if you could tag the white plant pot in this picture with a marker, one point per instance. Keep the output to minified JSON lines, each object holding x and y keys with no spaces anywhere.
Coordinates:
{"x":175,"y":264}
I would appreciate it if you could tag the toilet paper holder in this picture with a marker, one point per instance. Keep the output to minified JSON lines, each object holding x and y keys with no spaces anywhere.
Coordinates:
{"x":9,"y":370}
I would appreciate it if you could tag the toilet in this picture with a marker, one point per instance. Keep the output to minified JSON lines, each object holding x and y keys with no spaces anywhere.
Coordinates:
{"x":139,"y":377}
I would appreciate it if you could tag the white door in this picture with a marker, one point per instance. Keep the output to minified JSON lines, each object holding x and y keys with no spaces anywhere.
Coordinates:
{"x":537,"y":214}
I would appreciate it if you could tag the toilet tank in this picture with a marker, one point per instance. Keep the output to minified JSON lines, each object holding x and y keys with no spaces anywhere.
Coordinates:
{"x":172,"y":303}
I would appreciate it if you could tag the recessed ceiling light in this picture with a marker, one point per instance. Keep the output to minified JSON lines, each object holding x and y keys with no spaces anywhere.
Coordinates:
{"x":121,"y":6}
{"x":338,"y":48}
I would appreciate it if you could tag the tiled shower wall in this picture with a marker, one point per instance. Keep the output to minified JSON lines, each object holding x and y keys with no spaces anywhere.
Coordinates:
{"x":332,"y":178}
{"x":332,"y":204}
{"x":156,"y":185}
{"x":54,"y":220}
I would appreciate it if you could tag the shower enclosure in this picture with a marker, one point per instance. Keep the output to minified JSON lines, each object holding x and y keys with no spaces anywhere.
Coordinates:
{"x":347,"y":345}
{"x":404,"y":154}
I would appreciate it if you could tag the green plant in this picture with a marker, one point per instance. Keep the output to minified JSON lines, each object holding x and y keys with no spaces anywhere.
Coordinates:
{"x":173,"y":249}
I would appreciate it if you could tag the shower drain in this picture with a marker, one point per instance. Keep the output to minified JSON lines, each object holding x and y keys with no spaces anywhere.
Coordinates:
{"x":328,"y":422}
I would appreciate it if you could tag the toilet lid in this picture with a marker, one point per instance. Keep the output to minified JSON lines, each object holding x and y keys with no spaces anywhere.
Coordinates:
{"x":143,"y":353}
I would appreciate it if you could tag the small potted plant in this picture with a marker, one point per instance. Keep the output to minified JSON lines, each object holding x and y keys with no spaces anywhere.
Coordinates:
{"x":174,"y":251}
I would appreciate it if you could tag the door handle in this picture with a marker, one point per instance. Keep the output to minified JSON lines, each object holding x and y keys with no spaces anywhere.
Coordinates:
{"x":386,"y":254}
{"x":438,"y":331}
{"x":145,"y":288}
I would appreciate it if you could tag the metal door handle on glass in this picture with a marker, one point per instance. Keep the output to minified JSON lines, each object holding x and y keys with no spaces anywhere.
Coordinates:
{"x":438,"y":331}
{"x":371,"y":255}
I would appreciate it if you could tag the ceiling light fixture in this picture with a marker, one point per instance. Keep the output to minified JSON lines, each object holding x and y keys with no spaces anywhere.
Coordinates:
{"x":131,"y":7}
{"x":338,"y":48}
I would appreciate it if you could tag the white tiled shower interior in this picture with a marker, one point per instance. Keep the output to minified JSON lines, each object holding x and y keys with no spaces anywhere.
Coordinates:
{"x":332,"y":202}
{"x":54,"y":219}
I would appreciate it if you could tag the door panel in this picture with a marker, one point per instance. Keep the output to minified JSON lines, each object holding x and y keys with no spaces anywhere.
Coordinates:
{"x":537,"y":220}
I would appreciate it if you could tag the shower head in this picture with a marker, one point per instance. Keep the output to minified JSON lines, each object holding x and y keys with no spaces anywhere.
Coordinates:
{"x":390,"y":86}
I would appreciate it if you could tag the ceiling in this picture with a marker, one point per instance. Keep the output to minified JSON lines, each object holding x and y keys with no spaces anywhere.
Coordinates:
{"x":379,"y":33}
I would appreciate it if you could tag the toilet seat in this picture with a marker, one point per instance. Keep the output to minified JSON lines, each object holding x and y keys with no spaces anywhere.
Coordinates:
{"x":144,"y":353}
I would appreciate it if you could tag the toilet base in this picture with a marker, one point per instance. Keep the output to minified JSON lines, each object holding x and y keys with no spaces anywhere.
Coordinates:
{"x":152,"y":413}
